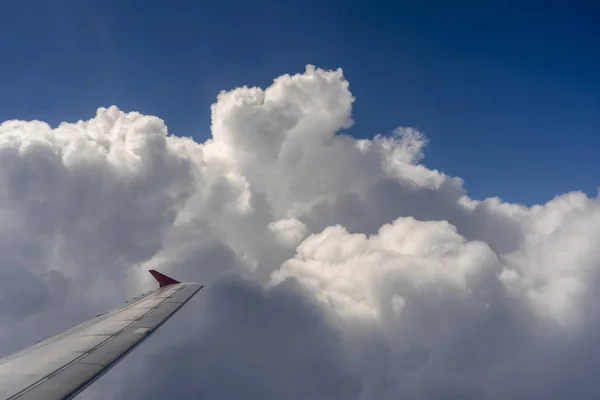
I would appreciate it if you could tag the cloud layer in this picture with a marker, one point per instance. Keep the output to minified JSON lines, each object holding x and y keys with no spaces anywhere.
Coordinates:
{"x":336,"y":268}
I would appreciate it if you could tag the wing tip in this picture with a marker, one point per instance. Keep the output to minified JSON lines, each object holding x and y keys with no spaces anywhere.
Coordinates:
{"x":162,"y":279}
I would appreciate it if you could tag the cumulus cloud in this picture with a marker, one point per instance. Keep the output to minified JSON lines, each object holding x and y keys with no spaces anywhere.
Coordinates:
{"x":288,"y":231}
{"x":336,"y":268}
{"x":408,"y":256}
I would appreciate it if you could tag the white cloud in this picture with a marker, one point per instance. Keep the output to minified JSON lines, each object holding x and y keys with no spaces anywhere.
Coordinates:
{"x":336,"y":267}
{"x":357,"y":275}
{"x":289,"y":231}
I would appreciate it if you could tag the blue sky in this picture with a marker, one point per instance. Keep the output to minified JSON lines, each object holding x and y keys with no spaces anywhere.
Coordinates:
{"x":508,"y":94}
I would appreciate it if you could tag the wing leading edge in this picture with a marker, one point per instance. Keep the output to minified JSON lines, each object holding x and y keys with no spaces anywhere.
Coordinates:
{"x":61,"y":366}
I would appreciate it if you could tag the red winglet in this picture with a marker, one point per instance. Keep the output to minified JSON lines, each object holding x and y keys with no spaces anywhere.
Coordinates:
{"x":162,"y":279}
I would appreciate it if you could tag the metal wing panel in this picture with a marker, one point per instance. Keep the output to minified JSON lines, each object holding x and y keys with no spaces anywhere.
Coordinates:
{"x":60,"y":386}
{"x":63,"y":365}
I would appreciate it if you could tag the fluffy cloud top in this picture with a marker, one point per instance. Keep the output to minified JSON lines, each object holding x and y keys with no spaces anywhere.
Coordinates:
{"x":288,"y":231}
{"x":336,"y":268}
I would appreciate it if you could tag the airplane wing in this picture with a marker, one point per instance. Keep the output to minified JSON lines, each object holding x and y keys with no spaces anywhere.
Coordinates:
{"x":61,"y":366}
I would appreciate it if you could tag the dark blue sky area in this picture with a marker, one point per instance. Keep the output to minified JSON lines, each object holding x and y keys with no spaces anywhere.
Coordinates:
{"x":508,"y":94}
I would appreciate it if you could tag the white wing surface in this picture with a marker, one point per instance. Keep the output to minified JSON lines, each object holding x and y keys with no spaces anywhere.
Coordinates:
{"x":62,"y":366}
